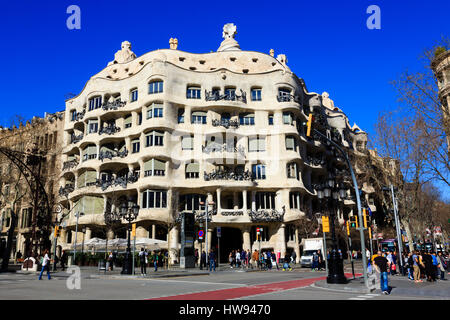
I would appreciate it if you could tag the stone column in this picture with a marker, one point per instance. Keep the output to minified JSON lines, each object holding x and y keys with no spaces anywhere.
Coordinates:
{"x":281,"y":240}
{"x":173,"y":239}
{"x":218,"y":199}
{"x":153,"y":231}
{"x":246,"y":244}
{"x":297,"y":246}
{"x":244,"y":201}
{"x":88,"y":234}
{"x":235,"y":201}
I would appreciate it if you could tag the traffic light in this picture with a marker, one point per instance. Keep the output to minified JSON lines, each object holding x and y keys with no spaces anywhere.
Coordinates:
{"x":365,"y":218}
{"x":348,"y":228}
{"x":308,"y":125}
{"x":370,"y":233}
{"x":354,"y":222}
{"x":57,"y":231}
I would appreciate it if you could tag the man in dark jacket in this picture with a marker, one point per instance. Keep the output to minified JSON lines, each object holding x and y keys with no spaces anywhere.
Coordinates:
{"x":203,"y":260}
{"x":212,"y":260}
{"x":382,"y":266}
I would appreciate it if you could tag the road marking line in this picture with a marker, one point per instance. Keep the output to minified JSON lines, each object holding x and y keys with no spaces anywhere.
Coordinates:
{"x":356,"y":299}
{"x":200,"y":282}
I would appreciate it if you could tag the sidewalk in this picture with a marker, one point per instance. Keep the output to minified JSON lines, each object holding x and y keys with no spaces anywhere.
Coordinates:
{"x":399,"y":285}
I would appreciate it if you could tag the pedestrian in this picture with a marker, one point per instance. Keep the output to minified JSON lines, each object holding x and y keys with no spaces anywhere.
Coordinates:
{"x":390,"y":259}
{"x":315,"y":261}
{"x":429,"y":269}
{"x":249,"y":258}
{"x":230,"y":259}
{"x":321,"y":263}
{"x":244,"y":258}
{"x":274,"y":260}
{"x":238,"y":259}
{"x":143,"y":261}
{"x":410,"y":265}
{"x":196,"y":257}
{"x":203,"y":260}
{"x":381,"y":264}
{"x":110,"y":261}
{"x":416,"y":266}
{"x":368,"y":254}
{"x":63,"y":260}
{"x":294,"y":257}
{"x":155,"y":258}
{"x":286,"y":265}
{"x":435,"y":265}
{"x":442,"y":265}
{"x":45,"y":265}
{"x":263,"y":260}
{"x":255,"y":258}
{"x":212,"y":260}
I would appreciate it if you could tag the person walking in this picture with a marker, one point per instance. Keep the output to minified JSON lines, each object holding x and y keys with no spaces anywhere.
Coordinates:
{"x":294,"y":257}
{"x":410,"y":265}
{"x":442,"y":265}
{"x":63,"y":260}
{"x":255,"y":258}
{"x":45,"y":265}
{"x":286,"y":265}
{"x":203,"y":260}
{"x":416,"y":267}
{"x":382,"y":265}
{"x":196,"y":257}
{"x":143,"y":261}
{"x":155,"y":258}
{"x":315,"y":261}
{"x":428,"y":262}
{"x":212,"y":260}
{"x":435,"y":270}
{"x":238,"y":259}
{"x":321,"y":262}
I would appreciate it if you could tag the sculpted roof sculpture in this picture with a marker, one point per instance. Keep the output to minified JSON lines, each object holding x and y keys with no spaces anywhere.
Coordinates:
{"x":229,"y":44}
{"x":124,"y":55}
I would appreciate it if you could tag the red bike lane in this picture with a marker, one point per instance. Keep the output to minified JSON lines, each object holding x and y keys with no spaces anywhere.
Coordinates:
{"x":240,"y":292}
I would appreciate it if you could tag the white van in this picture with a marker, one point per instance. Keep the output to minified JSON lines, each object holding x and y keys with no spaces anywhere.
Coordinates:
{"x":309,"y":247}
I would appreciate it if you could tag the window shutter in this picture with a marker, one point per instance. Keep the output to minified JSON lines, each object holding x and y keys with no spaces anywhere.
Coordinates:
{"x":286,"y":118}
{"x":252,"y":144}
{"x":81,"y":180}
{"x":290,"y":143}
{"x":159,"y":165}
{"x":127,"y":120}
{"x":261,"y":144}
{"x":199,"y":113}
{"x":148,"y":165}
{"x":91,"y":176}
{"x":192,"y":167}
{"x":187,"y":142}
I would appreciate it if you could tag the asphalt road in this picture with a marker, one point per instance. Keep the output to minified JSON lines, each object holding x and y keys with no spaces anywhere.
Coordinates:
{"x":272,"y":285}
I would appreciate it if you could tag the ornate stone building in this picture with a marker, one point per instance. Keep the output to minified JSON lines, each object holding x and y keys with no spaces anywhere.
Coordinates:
{"x":169,"y":129}
{"x":41,"y":136}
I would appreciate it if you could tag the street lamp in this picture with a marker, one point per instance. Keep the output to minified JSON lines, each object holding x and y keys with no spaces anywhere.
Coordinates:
{"x":78,"y":214}
{"x":331,"y":193}
{"x":128,"y":212}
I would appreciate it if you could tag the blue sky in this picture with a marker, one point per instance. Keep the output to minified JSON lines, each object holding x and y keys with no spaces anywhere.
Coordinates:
{"x":327,"y":44}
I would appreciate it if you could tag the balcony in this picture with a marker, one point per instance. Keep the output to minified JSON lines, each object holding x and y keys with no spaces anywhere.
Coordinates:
{"x":316,"y":161}
{"x":109,"y":130}
{"x":228,"y":96}
{"x":217,"y":147}
{"x":76,"y":139}
{"x":266,"y":215}
{"x":226,"y":123}
{"x":112,"y":154}
{"x":228,"y":175}
{"x":66,"y":190}
{"x":113,"y":105}
{"x":122,"y":181}
{"x":286,"y":97}
{"x":67,"y":165}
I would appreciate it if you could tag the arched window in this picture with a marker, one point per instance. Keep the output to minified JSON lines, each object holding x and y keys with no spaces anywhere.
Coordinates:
{"x":155,"y":87}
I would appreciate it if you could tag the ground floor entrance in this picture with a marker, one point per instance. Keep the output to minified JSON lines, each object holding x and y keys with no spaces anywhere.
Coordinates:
{"x":230,"y":239}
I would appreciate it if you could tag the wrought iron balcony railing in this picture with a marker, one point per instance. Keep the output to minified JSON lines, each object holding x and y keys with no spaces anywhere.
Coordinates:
{"x":231,"y":212}
{"x":217,"y":147}
{"x":286,"y":97}
{"x":64,"y":191}
{"x":316,"y":161}
{"x":67,"y":165}
{"x":225,"y":123}
{"x":76,"y":139}
{"x":122,"y":181}
{"x":112,"y":154}
{"x":114,"y":105}
{"x":110,"y":129}
{"x":229,"y":175}
{"x":267,"y":215}
{"x":228,"y":96}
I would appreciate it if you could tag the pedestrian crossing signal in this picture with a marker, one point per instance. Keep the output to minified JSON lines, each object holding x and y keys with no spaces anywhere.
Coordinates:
{"x":354,"y":222}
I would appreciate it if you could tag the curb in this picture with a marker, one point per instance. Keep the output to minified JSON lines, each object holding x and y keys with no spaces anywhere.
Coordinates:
{"x":341,"y":288}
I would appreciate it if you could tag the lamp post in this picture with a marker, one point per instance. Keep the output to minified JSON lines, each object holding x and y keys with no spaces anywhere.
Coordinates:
{"x":331,"y":192}
{"x":111,"y":218}
{"x":128,"y":212}
{"x":78,"y":214}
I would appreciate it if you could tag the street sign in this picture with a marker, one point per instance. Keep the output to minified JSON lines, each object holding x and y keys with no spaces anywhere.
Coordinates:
{"x":200,"y":234}
{"x":325,"y":224}
{"x":219,"y":232}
